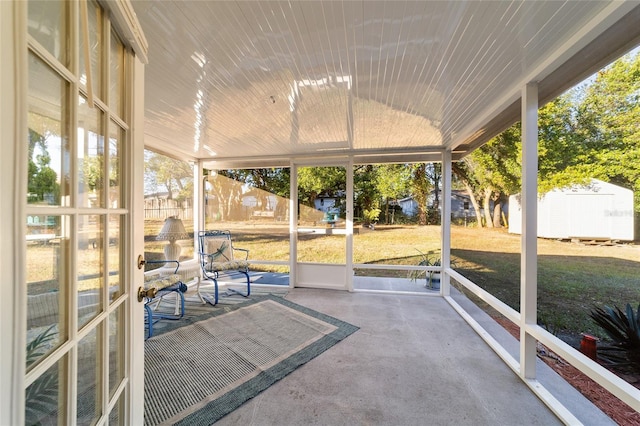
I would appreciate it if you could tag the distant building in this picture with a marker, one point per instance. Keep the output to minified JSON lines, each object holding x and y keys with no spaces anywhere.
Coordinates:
{"x":599,"y":210}
{"x":460,"y":204}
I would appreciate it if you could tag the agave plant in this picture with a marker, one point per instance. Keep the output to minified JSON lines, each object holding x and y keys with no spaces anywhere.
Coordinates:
{"x":623,"y":329}
{"x":431,"y":258}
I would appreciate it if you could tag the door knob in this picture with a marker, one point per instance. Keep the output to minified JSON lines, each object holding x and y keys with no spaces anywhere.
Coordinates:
{"x":150,"y":293}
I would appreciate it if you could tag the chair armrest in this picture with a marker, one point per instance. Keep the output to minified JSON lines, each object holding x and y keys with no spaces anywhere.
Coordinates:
{"x":147,"y":262}
{"x":246,"y":254}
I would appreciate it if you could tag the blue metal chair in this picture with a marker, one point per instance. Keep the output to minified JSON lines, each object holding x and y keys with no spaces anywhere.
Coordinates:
{"x":164,"y":284}
{"x":217,"y":256}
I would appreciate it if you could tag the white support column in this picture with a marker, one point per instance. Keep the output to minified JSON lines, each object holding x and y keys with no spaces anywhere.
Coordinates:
{"x":349,"y":248}
{"x":445,"y":221}
{"x":293,"y":224}
{"x":198,"y":204}
{"x":529,"y":243}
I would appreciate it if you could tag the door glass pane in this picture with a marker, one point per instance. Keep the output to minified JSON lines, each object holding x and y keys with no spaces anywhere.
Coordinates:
{"x":116,"y":349}
{"x":321,"y":215}
{"x":115,"y":138}
{"x":116,"y":416}
{"x":47,"y":285}
{"x":90,"y":156}
{"x":95,"y":49}
{"x":114,"y":257}
{"x":168,"y":191}
{"x":48,"y":176}
{"x":116,"y":76}
{"x":47,"y":23}
{"x":45,"y":397}
{"x":89,"y":377}
{"x":90,"y":267}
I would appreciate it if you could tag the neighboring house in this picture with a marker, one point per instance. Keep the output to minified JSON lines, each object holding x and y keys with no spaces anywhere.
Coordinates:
{"x":599,"y":210}
{"x":325,"y":202}
{"x":409,"y":206}
{"x":460,"y":205}
{"x":264,"y":201}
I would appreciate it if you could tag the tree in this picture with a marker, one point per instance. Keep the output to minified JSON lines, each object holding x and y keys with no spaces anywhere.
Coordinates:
{"x":589,"y":132}
{"x":496,"y":169}
{"x":42,"y":179}
{"x":608,"y":125}
{"x":170,"y":173}
{"x":420,"y":187}
{"x":392,"y":183}
{"x":312,"y":181}
{"x":464,"y":173}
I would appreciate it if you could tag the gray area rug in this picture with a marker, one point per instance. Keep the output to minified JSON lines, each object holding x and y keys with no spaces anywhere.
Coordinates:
{"x":202,"y":367}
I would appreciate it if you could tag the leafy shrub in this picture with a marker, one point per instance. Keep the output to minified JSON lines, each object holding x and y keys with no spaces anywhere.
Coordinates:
{"x":371,"y":216}
{"x":623,"y":330}
{"x":42,"y":396}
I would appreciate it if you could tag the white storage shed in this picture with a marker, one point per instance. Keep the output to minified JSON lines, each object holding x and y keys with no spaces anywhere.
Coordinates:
{"x":599,"y":210}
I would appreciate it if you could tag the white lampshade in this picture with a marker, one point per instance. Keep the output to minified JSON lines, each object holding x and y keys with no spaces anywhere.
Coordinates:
{"x":172,"y":230}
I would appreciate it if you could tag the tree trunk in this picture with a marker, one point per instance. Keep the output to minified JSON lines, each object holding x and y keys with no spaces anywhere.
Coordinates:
{"x":497,"y":214}
{"x":474,"y":202}
{"x":486,"y":204}
{"x":386,"y":212}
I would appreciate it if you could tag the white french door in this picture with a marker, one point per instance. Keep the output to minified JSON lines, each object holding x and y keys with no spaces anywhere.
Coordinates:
{"x":78,"y":322}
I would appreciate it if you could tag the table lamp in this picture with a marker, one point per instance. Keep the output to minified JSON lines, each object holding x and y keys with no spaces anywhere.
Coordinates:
{"x":172,"y":230}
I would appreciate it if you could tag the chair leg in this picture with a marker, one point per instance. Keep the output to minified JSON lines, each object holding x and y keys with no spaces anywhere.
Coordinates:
{"x":198,"y":291}
{"x":206,"y":298}
{"x":149,"y":314}
{"x":248,"y":293}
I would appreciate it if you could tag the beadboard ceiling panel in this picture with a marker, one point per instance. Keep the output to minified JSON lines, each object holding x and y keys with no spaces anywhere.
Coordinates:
{"x":268,"y":81}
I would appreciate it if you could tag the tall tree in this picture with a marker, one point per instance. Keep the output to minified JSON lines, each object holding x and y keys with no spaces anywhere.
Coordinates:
{"x":393,"y":182}
{"x":174,"y":175}
{"x":420,"y":188}
{"x":496,"y":168}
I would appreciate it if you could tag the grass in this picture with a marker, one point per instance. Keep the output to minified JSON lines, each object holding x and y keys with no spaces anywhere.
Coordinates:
{"x":572,"y":278}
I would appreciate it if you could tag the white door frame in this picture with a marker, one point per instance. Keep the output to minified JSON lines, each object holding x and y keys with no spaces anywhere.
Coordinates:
{"x":14,"y":77}
{"x":13,"y":183}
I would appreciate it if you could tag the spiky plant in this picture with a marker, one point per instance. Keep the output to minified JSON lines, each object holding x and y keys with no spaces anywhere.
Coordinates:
{"x":623,"y":329}
{"x":431,"y":258}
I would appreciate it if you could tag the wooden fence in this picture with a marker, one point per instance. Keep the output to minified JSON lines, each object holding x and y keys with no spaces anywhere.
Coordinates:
{"x":161,"y":208}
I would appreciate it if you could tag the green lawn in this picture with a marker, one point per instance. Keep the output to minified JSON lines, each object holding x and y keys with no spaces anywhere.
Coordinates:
{"x":572,"y":278}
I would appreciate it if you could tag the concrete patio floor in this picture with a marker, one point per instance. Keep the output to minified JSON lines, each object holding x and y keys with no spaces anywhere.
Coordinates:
{"x":414,"y":361}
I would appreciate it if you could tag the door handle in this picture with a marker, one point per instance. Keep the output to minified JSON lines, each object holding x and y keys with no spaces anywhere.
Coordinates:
{"x":150,"y":293}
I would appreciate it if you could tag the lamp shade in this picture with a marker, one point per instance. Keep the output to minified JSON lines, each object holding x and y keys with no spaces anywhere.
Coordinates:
{"x":172,"y":230}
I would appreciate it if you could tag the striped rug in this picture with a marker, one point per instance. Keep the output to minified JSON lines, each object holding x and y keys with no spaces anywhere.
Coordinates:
{"x":202,"y":367}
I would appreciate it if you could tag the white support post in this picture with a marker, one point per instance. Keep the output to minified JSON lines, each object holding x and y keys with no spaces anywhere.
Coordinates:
{"x":349,"y":251}
{"x":293,"y":225}
{"x":445,"y":221}
{"x":198,"y":204}
{"x":529,"y":247}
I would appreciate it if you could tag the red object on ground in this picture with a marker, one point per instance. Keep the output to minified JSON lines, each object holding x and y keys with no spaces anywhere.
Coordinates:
{"x":588,"y":346}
